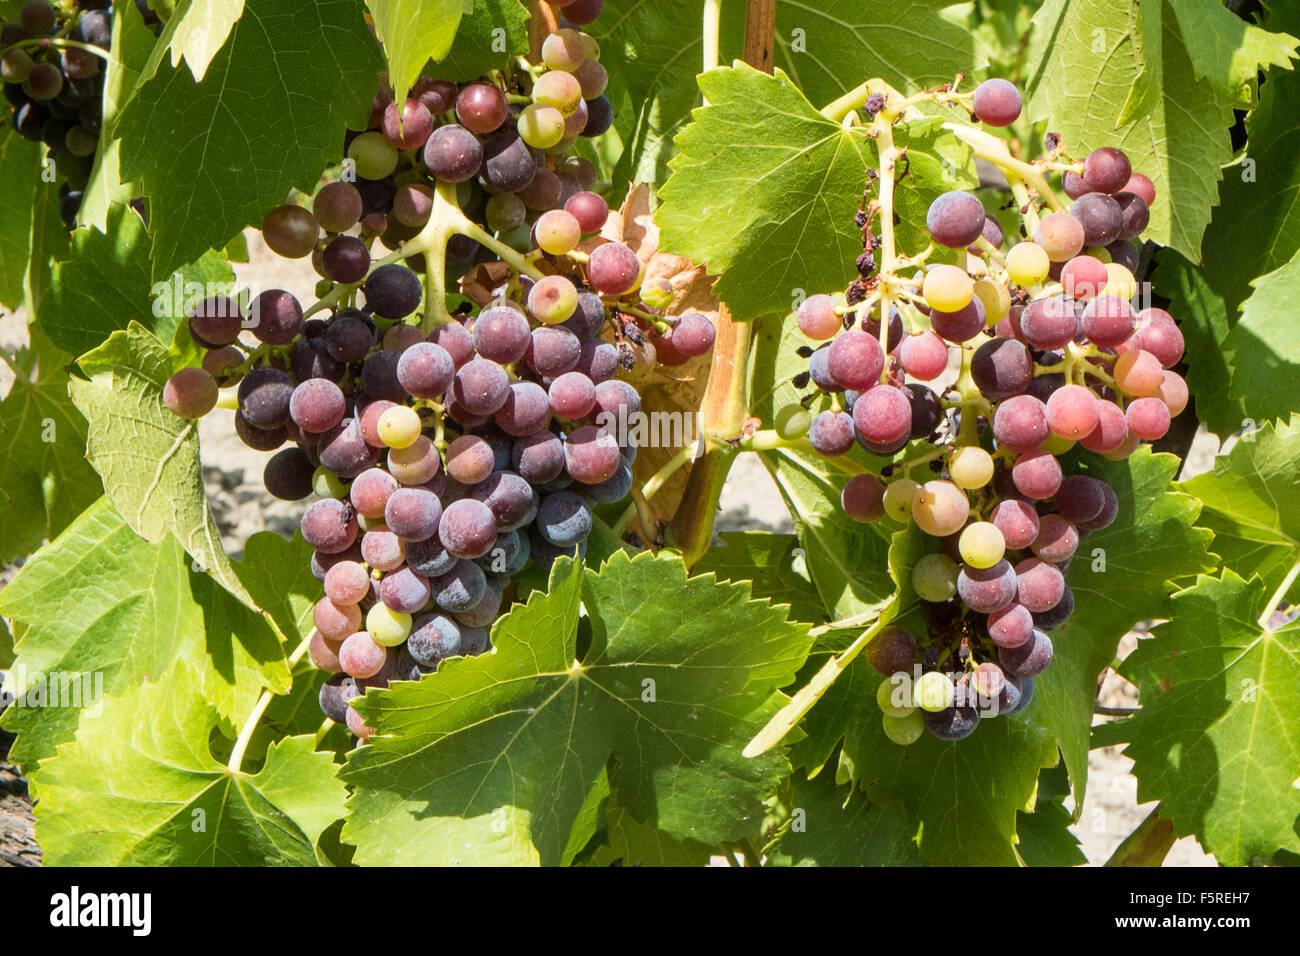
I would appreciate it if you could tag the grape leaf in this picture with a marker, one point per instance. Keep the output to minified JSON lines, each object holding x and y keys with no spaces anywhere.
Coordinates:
{"x":412,"y":32}
{"x":1226,"y":50}
{"x":195,"y":32}
{"x":45,"y":480}
{"x":1215,"y":739}
{"x":103,"y":285}
{"x":1247,"y":503}
{"x":277,"y":574}
{"x":478,"y":47}
{"x":147,"y":457}
{"x":20,"y":170}
{"x":132,"y":44}
{"x":1044,"y":835}
{"x":827,"y":46}
{"x":837,"y":826}
{"x":139,"y":787}
{"x":1119,"y":577}
{"x":269,"y":113}
{"x":1081,"y":64}
{"x":100,"y":601}
{"x":1266,"y":352}
{"x":490,"y":760}
{"x":763,"y":184}
{"x":774,"y":566}
{"x":628,"y":842}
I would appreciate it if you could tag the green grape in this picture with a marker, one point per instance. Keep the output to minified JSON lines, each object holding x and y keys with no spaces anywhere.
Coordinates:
{"x":387,"y":628}
{"x":520,"y":238}
{"x":947,"y":288}
{"x":934,"y":578}
{"x":904,"y":730}
{"x":934,"y":692}
{"x":793,"y":421}
{"x":1027,"y":263}
{"x":505,"y":211}
{"x":971,"y":467}
{"x":374,"y":155}
{"x":894,"y":695}
{"x":898,"y":499}
{"x":1056,"y":445}
{"x":981,"y":545}
{"x":541,"y":126}
{"x":327,"y":484}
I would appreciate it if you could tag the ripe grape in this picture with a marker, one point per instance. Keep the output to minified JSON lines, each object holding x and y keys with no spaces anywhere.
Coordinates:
{"x":831,"y":434}
{"x":215,"y":322}
{"x":817,"y":318}
{"x":264,"y":396}
{"x":854,"y":360}
{"x":344,"y":450}
{"x":415,"y":464}
{"x":481,"y":107}
{"x":190,"y":393}
{"x":1101,"y":217}
{"x":277,"y":316}
{"x":1072,"y":412}
{"x":1010,"y":626}
{"x":1083,"y":277}
{"x":1040,"y":584}
{"x":467,"y":528}
{"x":360,"y":656}
{"x":923,"y":356}
{"x":961,"y":325}
{"x":324,"y":655}
{"x":527,"y":409}
{"x":1107,"y":170}
{"x":947,"y":288}
{"x":589,"y":209}
{"x":1138,"y":373}
{"x":1057,"y":540}
{"x":1108,"y":321}
{"x":693,"y":335}
{"x":564,"y":519}
{"x":1020,"y":423}
{"x":926,"y":409}
{"x":600,"y":116}
{"x":481,"y":386}
{"x":1037,"y":474}
{"x":379,"y":377}
{"x":613,"y":268}
{"x":511,"y":499}
{"x":882,"y":415}
{"x":335,"y":622}
{"x":940,"y":508}
{"x":891,"y":650}
{"x":425,"y":370}
{"x":1148,"y":418}
{"x":221,"y":364}
{"x":393,"y":291}
{"x":470,"y":459}
{"x":407,"y":126}
{"x":1002,"y":368}
{"x":1018,"y":522}
{"x":987,"y":589}
{"x":501,"y":334}
{"x":1108,"y":513}
{"x":1159,"y":334}
{"x":337,"y":207}
{"x":591,"y":454}
{"x":861,"y":500}
{"x":996,"y":102}
{"x":1111,"y":430}
{"x":347,"y":583}
{"x":1061,"y":236}
{"x":1135,"y":215}
{"x":955,"y":219}
{"x":539,"y":457}
{"x":542,"y":192}
{"x":1173,"y":392}
{"x":329,"y":525}
{"x":1049,"y":323}
{"x":1029,"y":659}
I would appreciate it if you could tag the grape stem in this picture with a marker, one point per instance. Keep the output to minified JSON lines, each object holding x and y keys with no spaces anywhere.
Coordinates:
{"x":255,"y":715}
{"x":1276,"y":600}
{"x":888,"y":155}
{"x":994,"y":149}
{"x":709,"y":34}
{"x":654,"y":483}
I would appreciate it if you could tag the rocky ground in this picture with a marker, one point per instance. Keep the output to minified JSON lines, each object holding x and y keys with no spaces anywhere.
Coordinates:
{"x":232,"y":474}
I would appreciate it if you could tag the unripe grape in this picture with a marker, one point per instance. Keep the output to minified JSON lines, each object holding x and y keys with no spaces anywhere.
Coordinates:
{"x":557,"y":231}
{"x":540,"y":126}
{"x":792,"y":422}
{"x":1028,"y":263}
{"x":971,"y":467}
{"x":894,"y":695}
{"x":560,"y":90}
{"x":190,"y":393}
{"x":940,"y":508}
{"x":817,"y":318}
{"x":1138,"y":373}
{"x":981,"y":545}
{"x":904,"y":730}
{"x":1119,"y":281}
{"x":374,"y":155}
{"x":898,"y":498}
{"x":934,"y":577}
{"x":933,"y":692}
{"x":399,"y":426}
{"x":996,"y":299}
{"x":1060,"y":235}
{"x":947,"y":288}
{"x":387,"y":628}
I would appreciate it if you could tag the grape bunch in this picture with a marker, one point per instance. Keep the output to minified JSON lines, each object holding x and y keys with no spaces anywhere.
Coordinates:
{"x":443,"y":453}
{"x":1006,"y":364}
{"x":55,"y":89}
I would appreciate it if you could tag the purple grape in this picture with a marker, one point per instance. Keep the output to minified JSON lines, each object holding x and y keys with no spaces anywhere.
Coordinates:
{"x":501,"y":334}
{"x":554,"y":350}
{"x":413,"y":514}
{"x":329,"y":525}
{"x":468,"y":528}
{"x":453,"y":154}
{"x":564,"y":519}
{"x":460,"y":588}
{"x":987,"y":589}
{"x":317,"y":405}
{"x":344,"y":451}
{"x":527,"y":409}
{"x":264,"y":396}
{"x":955,"y":219}
{"x":276,"y":317}
{"x":288,"y":474}
{"x":404,"y":590}
{"x":1029,"y":659}
{"x":481,"y":386}
{"x":539,"y":457}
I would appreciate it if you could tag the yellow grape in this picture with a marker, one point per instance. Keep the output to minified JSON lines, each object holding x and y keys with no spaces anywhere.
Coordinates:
{"x":1027,"y":263}
{"x":898,"y":499}
{"x":1056,"y":445}
{"x":933,"y":692}
{"x":947,"y":288}
{"x":996,"y":299}
{"x":904,"y":730}
{"x":971,"y":467}
{"x":981,"y":545}
{"x":1119,"y":281}
{"x":940,"y":508}
{"x":399,"y":426}
{"x":893,"y":689}
{"x":387,"y":628}
{"x":1100,"y":253}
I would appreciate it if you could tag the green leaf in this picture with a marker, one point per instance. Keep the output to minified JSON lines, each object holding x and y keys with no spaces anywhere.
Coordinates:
{"x":100,"y":601}
{"x":477,"y":48}
{"x":241,"y":138}
{"x":491,"y":759}
{"x":1044,"y":835}
{"x":763,"y":184}
{"x":838,"y":826}
{"x":1247,"y":503}
{"x":147,"y":456}
{"x":6,"y":645}
{"x":20,"y":170}
{"x":1266,"y":352}
{"x":1119,"y":577}
{"x":628,"y":842}
{"x":774,"y":566}
{"x":195,"y":33}
{"x":1081,"y":64}
{"x":133,"y":42}
{"x":138,"y":787}
{"x":103,"y":285}
{"x":830,"y":45}
{"x":277,"y":574}
{"x":412,"y":32}
{"x":45,"y":480}
{"x":1213,"y":741}
{"x":1228,"y":51}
